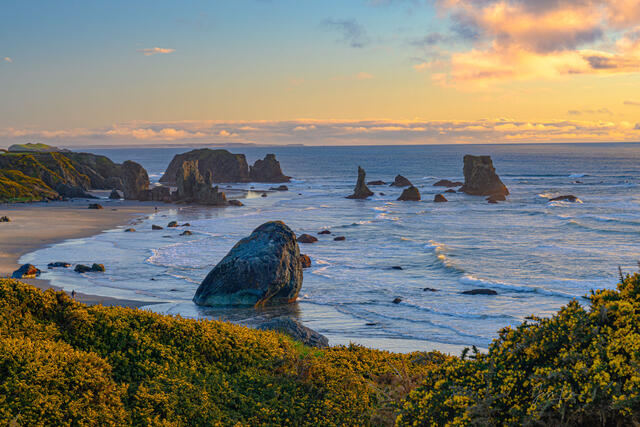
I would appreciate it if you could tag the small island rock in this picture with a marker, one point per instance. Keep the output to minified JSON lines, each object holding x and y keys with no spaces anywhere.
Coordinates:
{"x":439,"y":198}
{"x":480,"y":178}
{"x":401,"y":181}
{"x":361,"y":191}
{"x":306,"y":238}
{"x":26,"y":271}
{"x":410,"y":194}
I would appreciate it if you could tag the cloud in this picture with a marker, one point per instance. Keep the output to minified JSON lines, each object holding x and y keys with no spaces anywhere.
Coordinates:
{"x":632,"y":103}
{"x":351,"y":32}
{"x":364,"y":76}
{"x":510,"y":40}
{"x":155,"y":51}
{"x":336,"y":132}
{"x":7,"y":59}
{"x":590,"y":112}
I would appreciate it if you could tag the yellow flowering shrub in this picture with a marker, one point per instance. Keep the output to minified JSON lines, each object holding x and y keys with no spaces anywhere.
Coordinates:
{"x":579,"y":367}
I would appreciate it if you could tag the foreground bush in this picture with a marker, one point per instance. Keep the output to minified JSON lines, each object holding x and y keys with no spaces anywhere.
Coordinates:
{"x":580,"y":367}
{"x":62,"y":363}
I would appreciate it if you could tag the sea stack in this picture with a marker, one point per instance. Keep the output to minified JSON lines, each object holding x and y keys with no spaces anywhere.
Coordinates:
{"x":361,"y":191}
{"x":264,"y":268}
{"x":401,"y":181}
{"x":267,"y":170}
{"x":410,"y":194}
{"x":480,"y":178}
{"x":193,"y":188}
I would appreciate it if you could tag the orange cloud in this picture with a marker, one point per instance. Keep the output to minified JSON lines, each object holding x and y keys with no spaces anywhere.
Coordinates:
{"x":155,"y":51}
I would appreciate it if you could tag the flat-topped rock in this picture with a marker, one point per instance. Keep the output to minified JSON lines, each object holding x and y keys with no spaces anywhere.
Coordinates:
{"x":263,"y":268}
{"x":447,"y":183}
{"x":480,"y":178}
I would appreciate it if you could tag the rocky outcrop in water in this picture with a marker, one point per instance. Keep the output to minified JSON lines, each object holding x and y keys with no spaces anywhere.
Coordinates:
{"x":411,"y":194}
{"x":295,"y":330}
{"x":439,"y":198}
{"x":305,"y":260}
{"x":376,"y":183}
{"x":401,"y":181}
{"x":480,"y":178}
{"x":263,"y":268}
{"x":135,"y":180}
{"x":567,"y":198}
{"x":194,"y":188}
{"x":267,"y":170}
{"x":361,"y":191}
{"x":306,"y":238}
{"x":447,"y":183}
{"x":480,"y":292}
{"x":157,"y":194}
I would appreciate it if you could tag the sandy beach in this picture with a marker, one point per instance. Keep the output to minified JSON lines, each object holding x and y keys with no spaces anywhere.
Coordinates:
{"x":37,"y":225}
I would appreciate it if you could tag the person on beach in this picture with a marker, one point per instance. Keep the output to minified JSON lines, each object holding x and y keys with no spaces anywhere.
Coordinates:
{"x":73,"y":294}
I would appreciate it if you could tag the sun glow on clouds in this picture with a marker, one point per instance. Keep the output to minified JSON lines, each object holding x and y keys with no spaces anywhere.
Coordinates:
{"x":521,"y":40}
{"x":336,"y":132}
{"x":155,"y":51}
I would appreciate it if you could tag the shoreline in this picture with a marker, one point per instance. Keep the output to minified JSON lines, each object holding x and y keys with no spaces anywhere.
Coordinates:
{"x":40,"y":224}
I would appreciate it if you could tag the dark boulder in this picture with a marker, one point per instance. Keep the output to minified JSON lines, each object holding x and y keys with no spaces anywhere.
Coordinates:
{"x":194,"y":188}
{"x":267,"y":170}
{"x":186,"y":233}
{"x":221,"y":164}
{"x":447,"y":183}
{"x":263,"y":268}
{"x":496,"y":198}
{"x":280,"y":188}
{"x":324,"y":232}
{"x":306,"y":238}
{"x":410,"y":194}
{"x":361,"y":191}
{"x":234,"y":202}
{"x":305,"y":260}
{"x":156,"y":194}
{"x":130,"y":230}
{"x":95,"y":206}
{"x":401,"y":181}
{"x":450,"y":191}
{"x":156,"y":227}
{"x":172,"y":224}
{"x":376,"y":183}
{"x":115,"y":195}
{"x":480,"y":178}
{"x":26,"y":271}
{"x":135,"y":180}
{"x":98,"y":268}
{"x":295,"y":330}
{"x":397,"y":267}
{"x":263,"y":195}
{"x":81,"y":268}
{"x":397,"y":300}
{"x":439,"y":198}
{"x":58,"y":265}
{"x":567,"y":198}
{"x":339,"y":239}
{"x":480,"y":292}
{"x":430,"y":290}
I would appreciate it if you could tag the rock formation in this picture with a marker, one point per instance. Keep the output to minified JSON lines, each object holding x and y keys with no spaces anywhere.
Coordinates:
{"x":95,"y":268}
{"x":376,"y":183}
{"x":73,"y":192}
{"x":267,"y":170}
{"x":480,"y":178}
{"x":410,"y":194}
{"x":480,"y":292}
{"x":156,"y":194}
{"x":361,"y":191}
{"x":223,"y":166}
{"x":400,"y":181}
{"x":135,"y":180}
{"x":280,"y":188}
{"x":95,"y":206}
{"x":234,"y":202}
{"x":58,"y":264}
{"x":5,"y":219}
{"x":263,"y":268}
{"x":447,"y":183}
{"x":567,"y":198}
{"x":27,"y":271}
{"x":115,"y":195}
{"x":339,"y":239}
{"x":194,"y":188}
{"x":306,"y":238}
{"x":305,"y":261}
{"x":295,"y":330}
{"x":439,"y":198}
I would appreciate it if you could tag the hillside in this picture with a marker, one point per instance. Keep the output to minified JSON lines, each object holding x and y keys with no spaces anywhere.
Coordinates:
{"x":66,"y":363}
{"x":30,"y":147}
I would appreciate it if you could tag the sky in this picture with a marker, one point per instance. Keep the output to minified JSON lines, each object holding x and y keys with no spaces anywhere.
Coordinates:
{"x":325,"y":72}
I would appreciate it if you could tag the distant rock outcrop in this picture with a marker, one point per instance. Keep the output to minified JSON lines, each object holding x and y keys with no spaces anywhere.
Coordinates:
{"x":567,"y":198}
{"x":376,"y":183}
{"x":221,"y":164}
{"x":401,"y":181}
{"x":115,"y":195}
{"x":480,"y":178}
{"x":295,"y":330}
{"x":267,"y":170}
{"x":194,"y":188}
{"x":361,"y":191}
{"x":439,"y":198}
{"x":263,"y":268}
{"x":411,"y":194}
{"x":73,"y":192}
{"x":447,"y":183}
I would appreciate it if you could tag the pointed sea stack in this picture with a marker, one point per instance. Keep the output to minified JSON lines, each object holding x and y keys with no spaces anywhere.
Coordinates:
{"x":193,"y":188}
{"x":267,"y":170}
{"x":361,"y":191}
{"x":480,"y":178}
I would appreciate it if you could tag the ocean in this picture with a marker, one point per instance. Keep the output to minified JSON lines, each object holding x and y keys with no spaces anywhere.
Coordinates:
{"x":536,"y":254}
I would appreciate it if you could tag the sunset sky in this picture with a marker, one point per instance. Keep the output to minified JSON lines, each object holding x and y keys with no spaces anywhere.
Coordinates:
{"x":320,"y":72}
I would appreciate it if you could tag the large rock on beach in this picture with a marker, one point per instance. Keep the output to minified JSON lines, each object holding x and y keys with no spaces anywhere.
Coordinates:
{"x":263,"y":268}
{"x":401,"y":181}
{"x":295,"y":330}
{"x":27,"y":271}
{"x":410,"y":194}
{"x":134,"y":179}
{"x":73,"y":192}
{"x":267,"y":170}
{"x":361,"y":191}
{"x":480,"y":178}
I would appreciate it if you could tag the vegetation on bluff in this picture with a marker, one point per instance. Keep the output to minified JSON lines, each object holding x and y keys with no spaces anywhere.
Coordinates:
{"x":64,"y":363}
